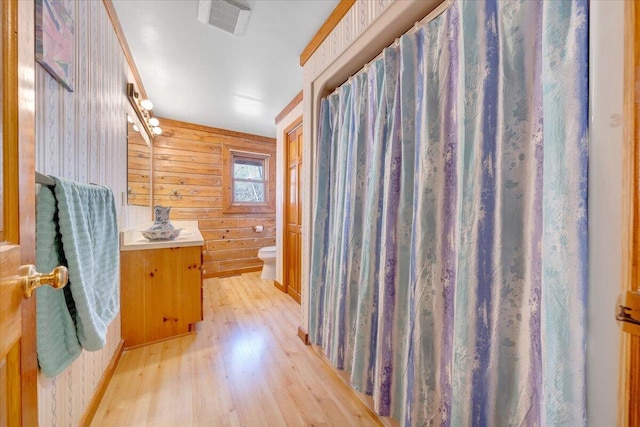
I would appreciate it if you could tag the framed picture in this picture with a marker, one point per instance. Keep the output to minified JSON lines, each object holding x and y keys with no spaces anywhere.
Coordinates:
{"x":55,"y":40}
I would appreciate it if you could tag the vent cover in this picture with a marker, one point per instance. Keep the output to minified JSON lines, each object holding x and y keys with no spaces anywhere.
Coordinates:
{"x":226,"y":15}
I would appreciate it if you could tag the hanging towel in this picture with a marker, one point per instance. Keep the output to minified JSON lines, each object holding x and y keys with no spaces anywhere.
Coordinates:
{"x":57,"y":343}
{"x":87,"y":221}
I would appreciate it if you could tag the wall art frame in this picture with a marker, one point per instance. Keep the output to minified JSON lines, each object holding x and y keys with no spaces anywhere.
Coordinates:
{"x":55,"y":41}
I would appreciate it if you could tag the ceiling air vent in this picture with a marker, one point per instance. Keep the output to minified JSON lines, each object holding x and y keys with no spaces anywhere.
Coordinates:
{"x":226,"y":15}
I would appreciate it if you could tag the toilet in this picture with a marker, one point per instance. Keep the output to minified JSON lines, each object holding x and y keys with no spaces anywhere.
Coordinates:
{"x":268,"y":256}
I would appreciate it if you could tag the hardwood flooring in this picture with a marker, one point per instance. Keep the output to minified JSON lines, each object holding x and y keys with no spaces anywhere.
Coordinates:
{"x":245,"y":366}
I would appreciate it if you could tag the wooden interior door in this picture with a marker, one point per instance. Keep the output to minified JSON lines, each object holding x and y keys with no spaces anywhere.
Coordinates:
{"x":18,"y":364}
{"x":292,"y":254}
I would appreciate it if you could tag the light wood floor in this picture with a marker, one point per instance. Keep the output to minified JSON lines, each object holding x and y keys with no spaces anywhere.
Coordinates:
{"x":245,"y":366}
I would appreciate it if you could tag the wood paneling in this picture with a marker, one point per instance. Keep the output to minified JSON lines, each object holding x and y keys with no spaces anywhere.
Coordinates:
{"x":161,"y":293}
{"x":251,"y":243}
{"x":630,"y":401}
{"x":334,"y":19}
{"x":138,"y":168}
{"x":195,"y":132}
{"x":188,"y":175}
{"x":230,"y":234}
{"x":244,"y":366}
{"x":169,"y":179}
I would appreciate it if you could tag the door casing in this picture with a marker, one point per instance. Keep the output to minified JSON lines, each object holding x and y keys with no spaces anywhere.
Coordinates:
{"x":292,"y":285}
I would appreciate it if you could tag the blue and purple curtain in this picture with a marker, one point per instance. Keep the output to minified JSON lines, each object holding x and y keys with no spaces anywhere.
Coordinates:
{"x":448,"y":270}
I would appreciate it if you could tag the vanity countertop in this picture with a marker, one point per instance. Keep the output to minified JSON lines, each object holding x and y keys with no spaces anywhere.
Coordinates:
{"x":133,"y":240}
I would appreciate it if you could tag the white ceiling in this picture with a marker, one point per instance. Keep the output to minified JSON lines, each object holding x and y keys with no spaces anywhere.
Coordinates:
{"x":199,"y":74}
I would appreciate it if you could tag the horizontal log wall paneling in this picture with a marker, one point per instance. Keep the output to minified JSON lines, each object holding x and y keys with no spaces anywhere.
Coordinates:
{"x":188,"y":175}
{"x":139,"y":169}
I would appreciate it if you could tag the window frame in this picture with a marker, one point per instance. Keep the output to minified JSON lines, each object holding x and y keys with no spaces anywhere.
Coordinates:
{"x":230,"y":155}
{"x":250,"y":157}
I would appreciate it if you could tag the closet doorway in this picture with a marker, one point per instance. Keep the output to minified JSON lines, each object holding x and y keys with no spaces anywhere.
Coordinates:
{"x":292,"y":253}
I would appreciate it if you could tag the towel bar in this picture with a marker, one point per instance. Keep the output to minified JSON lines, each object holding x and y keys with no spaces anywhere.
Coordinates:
{"x":50,"y":182}
{"x":45,"y":180}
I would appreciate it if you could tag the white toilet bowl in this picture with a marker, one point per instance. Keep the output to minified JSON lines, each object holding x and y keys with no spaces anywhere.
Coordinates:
{"x":268,"y":256}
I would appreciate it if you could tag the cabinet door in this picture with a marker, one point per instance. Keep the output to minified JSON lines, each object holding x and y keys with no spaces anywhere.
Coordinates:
{"x":161,"y":293}
{"x":172,"y":292}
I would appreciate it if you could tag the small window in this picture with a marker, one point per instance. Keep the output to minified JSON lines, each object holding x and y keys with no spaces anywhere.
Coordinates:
{"x":249,"y":179}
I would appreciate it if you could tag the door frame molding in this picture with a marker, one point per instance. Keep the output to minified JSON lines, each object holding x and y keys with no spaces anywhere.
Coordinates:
{"x":296,"y":123}
{"x":629,"y":402}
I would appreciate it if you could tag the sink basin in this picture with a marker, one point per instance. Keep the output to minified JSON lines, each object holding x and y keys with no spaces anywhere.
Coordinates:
{"x":161,"y":234}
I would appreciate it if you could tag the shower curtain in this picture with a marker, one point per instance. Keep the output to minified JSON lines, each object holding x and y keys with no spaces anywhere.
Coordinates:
{"x":449,"y":248}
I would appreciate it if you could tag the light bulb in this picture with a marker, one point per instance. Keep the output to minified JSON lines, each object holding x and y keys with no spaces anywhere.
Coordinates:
{"x":136,"y":128}
{"x":146,"y":104}
{"x":129,"y":119}
{"x":154,"y":122}
{"x":157,"y":130}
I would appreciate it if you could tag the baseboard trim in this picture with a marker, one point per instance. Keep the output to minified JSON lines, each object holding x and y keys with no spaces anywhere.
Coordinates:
{"x":228,"y":273}
{"x":296,"y":296}
{"x":303,"y":335}
{"x":184,"y":334}
{"x":280,"y":286}
{"x":87,"y":418}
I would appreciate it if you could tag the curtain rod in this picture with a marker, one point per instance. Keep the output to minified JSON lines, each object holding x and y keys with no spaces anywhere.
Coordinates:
{"x":430,"y":17}
{"x":44,"y":179}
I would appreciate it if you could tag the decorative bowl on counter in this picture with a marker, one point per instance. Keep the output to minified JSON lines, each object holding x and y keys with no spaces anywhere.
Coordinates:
{"x":165,"y":234}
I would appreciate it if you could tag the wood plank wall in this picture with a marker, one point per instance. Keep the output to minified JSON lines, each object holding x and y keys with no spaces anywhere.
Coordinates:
{"x":139,"y":169}
{"x":187,"y":175}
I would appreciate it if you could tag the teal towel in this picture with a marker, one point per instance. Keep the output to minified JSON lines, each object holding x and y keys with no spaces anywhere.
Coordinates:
{"x":89,"y":229}
{"x":57,"y":343}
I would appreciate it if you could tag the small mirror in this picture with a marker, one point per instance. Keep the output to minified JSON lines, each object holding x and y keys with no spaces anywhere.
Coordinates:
{"x":139,"y":168}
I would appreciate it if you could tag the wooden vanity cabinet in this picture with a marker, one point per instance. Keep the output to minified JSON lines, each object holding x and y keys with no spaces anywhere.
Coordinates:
{"x":161,"y":293}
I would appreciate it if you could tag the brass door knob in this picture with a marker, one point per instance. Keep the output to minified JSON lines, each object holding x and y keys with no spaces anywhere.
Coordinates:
{"x":31,"y":279}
